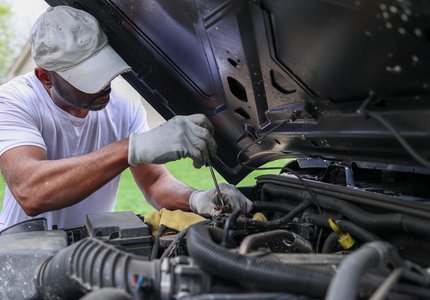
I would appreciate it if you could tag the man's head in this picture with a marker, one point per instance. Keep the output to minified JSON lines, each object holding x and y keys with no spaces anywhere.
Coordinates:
{"x":71,"y":43}
{"x":69,"y":98}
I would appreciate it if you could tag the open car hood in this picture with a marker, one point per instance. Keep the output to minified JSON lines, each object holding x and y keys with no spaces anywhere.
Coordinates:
{"x":342,"y":80}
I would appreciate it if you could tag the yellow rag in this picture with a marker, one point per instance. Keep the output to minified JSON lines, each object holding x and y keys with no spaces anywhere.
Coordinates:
{"x":173,"y":219}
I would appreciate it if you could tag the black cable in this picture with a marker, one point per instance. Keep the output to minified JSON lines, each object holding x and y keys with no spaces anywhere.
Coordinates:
{"x":179,"y":236}
{"x":307,"y":187}
{"x":173,"y":244}
{"x":319,"y":239}
{"x":257,"y":141}
{"x":277,"y":222}
{"x":156,"y":244}
{"x":314,"y":202}
{"x":367,"y":113}
{"x":230,"y":220}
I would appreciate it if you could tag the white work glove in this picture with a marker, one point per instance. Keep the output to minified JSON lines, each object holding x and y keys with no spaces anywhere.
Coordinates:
{"x":181,"y":136}
{"x":203,"y":202}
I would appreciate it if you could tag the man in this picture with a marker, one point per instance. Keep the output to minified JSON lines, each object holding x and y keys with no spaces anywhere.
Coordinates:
{"x":66,"y":133}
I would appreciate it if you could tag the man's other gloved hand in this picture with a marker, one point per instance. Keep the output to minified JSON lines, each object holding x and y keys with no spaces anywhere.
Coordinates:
{"x":203,"y":202}
{"x":181,"y":136}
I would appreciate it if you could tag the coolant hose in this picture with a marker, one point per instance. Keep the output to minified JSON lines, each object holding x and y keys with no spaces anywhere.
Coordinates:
{"x":347,"y":279}
{"x":330,"y":243}
{"x":359,"y":216}
{"x":258,"y":272}
{"x":89,"y":264}
{"x":356,"y":231}
{"x":274,"y":224}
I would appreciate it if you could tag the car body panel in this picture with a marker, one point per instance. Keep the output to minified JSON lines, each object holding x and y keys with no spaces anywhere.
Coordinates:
{"x":280,"y":77}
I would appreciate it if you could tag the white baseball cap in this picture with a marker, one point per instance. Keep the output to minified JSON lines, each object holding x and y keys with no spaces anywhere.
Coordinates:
{"x":70,"y":42}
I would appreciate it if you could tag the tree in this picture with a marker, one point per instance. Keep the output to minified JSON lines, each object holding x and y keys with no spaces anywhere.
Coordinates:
{"x":5,"y":37}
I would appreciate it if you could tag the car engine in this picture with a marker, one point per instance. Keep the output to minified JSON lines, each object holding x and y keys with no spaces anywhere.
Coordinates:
{"x":319,"y":230}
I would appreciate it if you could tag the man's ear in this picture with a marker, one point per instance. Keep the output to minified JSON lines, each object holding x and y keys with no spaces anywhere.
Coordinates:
{"x":43,"y":76}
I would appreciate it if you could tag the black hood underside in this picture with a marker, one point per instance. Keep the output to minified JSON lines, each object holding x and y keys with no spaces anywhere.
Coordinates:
{"x":343,"y":80}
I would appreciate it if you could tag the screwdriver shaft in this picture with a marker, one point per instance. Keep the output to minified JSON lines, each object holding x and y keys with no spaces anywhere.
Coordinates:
{"x":218,"y":190}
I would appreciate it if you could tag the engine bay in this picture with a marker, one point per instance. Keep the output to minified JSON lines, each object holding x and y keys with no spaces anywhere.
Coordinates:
{"x":341,"y":86}
{"x":310,"y":235}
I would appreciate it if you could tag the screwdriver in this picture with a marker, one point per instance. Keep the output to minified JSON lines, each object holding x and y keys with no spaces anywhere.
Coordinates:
{"x":220,"y":201}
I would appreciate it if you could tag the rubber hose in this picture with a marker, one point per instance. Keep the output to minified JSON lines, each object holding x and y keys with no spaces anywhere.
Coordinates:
{"x":330,"y":243}
{"x":272,"y":206}
{"x":357,"y":231}
{"x":281,"y":221}
{"x":347,"y":279}
{"x":259,"y":272}
{"x":230,"y":220}
{"x":88,"y":264}
{"x":346,"y":226}
{"x":107,"y":294}
{"x":359,"y":216}
{"x":156,"y":243}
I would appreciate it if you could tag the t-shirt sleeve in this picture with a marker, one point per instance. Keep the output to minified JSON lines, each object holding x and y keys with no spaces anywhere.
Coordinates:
{"x":17,"y":123}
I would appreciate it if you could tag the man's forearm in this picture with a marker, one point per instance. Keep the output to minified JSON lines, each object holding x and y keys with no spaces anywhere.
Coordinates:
{"x":173,"y":195}
{"x":161,"y":189}
{"x":46,"y":185}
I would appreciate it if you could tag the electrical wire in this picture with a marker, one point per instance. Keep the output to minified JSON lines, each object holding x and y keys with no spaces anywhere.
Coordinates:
{"x":180,"y":235}
{"x":257,"y":141}
{"x":368,"y":113}
{"x":306,"y":186}
{"x":230,"y":220}
{"x":156,"y":244}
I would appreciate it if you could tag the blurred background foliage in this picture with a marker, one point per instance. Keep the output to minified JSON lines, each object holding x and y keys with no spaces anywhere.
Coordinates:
{"x":6,"y":34}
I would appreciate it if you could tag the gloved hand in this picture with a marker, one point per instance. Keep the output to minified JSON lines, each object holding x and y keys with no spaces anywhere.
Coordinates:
{"x":181,"y":136}
{"x":202,"y":202}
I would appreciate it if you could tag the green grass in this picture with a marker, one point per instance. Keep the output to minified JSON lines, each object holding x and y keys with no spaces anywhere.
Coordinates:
{"x":130,"y":197}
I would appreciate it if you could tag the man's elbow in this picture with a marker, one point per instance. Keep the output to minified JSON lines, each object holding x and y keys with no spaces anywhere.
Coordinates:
{"x":30,"y":208}
{"x":31,"y":211}
{"x":28,"y":202}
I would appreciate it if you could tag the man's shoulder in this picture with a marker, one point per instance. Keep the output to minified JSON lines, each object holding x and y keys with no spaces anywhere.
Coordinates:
{"x":21,"y":87}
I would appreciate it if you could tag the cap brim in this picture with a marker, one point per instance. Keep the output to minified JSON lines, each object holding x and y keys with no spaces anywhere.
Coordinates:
{"x":94,"y":73}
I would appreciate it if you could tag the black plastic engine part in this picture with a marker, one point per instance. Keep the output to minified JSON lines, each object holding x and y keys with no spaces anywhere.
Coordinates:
{"x":123,"y":229}
{"x":38,"y":224}
{"x":261,"y":273}
{"x":92,"y":264}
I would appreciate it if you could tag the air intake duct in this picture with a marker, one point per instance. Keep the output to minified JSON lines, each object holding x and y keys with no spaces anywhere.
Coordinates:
{"x":93,"y":264}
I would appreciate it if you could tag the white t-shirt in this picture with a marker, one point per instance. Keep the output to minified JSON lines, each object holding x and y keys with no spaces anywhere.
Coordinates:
{"x":29,"y":117}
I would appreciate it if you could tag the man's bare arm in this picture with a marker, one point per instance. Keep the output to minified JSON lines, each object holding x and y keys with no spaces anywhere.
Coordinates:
{"x":160,"y":188}
{"x":40,"y":185}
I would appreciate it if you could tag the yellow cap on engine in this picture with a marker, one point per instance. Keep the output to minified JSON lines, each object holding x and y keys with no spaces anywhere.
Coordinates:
{"x":345,"y":239}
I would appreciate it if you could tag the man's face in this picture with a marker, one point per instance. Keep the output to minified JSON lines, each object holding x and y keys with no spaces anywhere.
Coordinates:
{"x":68,"y":94}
